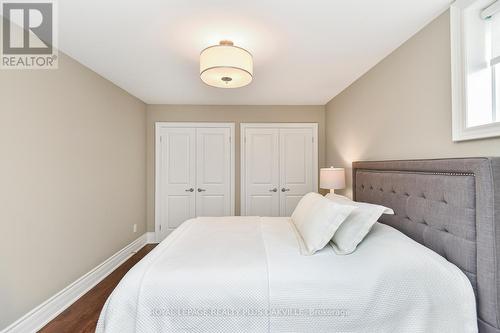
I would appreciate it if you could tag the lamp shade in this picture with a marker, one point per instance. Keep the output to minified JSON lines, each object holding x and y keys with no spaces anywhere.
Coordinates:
{"x":332,"y":178}
{"x":226,"y":66}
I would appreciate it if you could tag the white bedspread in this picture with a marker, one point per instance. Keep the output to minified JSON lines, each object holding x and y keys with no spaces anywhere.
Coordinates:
{"x":245,"y":274}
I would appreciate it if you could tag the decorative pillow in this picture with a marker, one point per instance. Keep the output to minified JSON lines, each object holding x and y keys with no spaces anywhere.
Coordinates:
{"x":357,"y":225}
{"x":304,"y":206}
{"x":318,"y":219}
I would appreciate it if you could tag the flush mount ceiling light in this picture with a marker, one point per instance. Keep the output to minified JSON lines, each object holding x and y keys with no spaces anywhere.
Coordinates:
{"x":226,"y":66}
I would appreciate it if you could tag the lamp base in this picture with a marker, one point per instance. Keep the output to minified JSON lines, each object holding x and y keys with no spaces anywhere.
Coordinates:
{"x":332,"y":191}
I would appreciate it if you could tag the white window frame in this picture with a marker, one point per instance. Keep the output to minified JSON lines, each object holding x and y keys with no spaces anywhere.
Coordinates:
{"x":460,"y":131}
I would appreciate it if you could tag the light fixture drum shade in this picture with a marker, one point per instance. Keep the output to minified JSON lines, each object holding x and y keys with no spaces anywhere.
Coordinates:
{"x":332,"y":178}
{"x":226,"y":66}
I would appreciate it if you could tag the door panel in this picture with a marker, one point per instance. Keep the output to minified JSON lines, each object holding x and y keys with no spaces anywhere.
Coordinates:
{"x":211,"y":205}
{"x":290,"y":202}
{"x":178,"y":208}
{"x":179,"y":158}
{"x":261,"y":172}
{"x":262,"y":205}
{"x":296,"y":167}
{"x":213,"y":172}
{"x":177,"y":177}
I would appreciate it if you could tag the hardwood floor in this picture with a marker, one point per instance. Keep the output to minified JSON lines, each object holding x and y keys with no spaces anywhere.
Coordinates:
{"x":82,"y":315}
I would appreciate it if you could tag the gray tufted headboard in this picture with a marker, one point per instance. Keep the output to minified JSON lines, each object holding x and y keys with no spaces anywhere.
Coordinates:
{"x":451,"y":206}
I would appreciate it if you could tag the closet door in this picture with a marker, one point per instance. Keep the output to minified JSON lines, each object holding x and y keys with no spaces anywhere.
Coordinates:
{"x":296,"y":167}
{"x":279,"y":166}
{"x":177,"y":178}
{"x":261,"y":172}
{"x":213,"y":171}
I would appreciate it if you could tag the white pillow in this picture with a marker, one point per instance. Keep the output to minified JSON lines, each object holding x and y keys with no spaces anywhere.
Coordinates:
{"x":319,"y":218}
{"x":357,"y":225}
{"x":304,"y":206}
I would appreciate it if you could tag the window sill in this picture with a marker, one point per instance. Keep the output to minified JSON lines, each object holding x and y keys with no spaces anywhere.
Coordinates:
{"x":476,"y":132}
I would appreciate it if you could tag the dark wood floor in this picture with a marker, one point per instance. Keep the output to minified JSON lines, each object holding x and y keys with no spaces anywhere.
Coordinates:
{"x":83,"y":314}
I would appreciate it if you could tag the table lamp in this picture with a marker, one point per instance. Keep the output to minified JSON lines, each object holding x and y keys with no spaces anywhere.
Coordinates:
{"x":332,"y":178}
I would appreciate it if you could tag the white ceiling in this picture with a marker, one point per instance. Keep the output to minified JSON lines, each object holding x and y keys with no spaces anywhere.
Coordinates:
{"x":305,"y":52}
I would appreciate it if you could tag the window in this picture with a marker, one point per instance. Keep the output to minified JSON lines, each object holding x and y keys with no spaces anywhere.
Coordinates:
{"x":475,"y":39}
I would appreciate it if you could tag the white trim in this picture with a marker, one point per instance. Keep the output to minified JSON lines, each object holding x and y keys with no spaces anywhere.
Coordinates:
{"x":479,"y":132}
{"x":457,"y":72}
{"x":162,"y":124}
{"x":243,"y":142}
{"x":48,"y":310}
{"x":244,"y":126}
{"x":158,"y":126}
{"x":491,"y":10}
{"x":150,"y":237}
{"x":460,"y":131}
{"x":279,"y":125}
{"x":157,"y":180}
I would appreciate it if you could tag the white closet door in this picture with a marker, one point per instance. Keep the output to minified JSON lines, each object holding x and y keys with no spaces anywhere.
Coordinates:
{"x":213,"y":172}
{"x":296,"y":167}
{"x":262,"y":172}
{"x":177,"y":179}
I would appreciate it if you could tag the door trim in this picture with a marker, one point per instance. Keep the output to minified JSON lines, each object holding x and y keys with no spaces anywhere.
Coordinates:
{"x":161,"y":124}
{"x":244,"y":126}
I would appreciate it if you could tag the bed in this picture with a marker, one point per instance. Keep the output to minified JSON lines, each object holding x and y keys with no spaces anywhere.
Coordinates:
{"x":423,"y":269}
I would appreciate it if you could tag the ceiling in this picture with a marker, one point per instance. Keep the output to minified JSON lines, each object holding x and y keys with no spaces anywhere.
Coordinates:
{"x":305,"y":52}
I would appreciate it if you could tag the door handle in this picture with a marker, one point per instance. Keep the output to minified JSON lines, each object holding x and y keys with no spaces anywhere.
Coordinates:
{"x":190,"y":190}
{"x":201,"y":190}
{"x":285,"y":189}
{"x":274,"y":190}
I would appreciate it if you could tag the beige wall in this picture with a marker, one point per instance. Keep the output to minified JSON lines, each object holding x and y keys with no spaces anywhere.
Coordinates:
{"x":72,"y":179}
{"x":401,"y":108}
{"x":236,"y":114}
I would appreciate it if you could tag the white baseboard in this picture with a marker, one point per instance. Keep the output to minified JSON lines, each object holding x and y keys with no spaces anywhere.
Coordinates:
{"x":151,"y":237}
{"x":48,"y":310}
